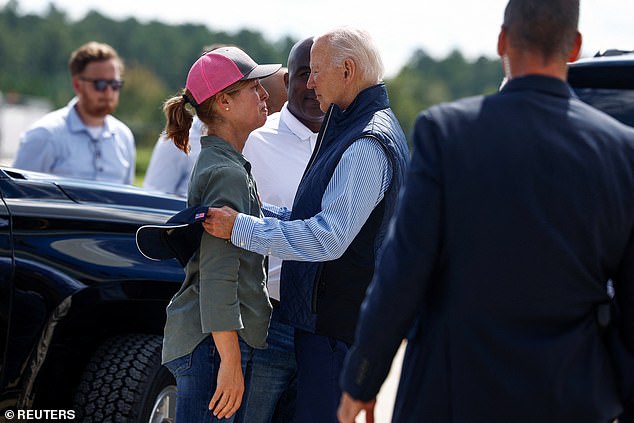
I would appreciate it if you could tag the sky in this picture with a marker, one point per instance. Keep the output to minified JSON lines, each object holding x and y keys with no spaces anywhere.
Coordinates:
{"x":398,"y":27}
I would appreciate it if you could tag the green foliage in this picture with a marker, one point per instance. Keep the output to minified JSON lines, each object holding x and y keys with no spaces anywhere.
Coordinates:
{"x":140,"y":104}
{"x":424,"y":82}
{"x":34,"y":52}
{"x":143,"y":155}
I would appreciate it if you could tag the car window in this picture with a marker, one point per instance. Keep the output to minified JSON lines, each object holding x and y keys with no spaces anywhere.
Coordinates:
{"x":618,"y":103}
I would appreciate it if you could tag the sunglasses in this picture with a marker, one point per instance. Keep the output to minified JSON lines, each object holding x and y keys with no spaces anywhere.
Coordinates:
{"x":102,"y":84}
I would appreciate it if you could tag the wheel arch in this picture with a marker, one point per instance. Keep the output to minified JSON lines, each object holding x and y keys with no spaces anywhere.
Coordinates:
{"x":97,"y":314}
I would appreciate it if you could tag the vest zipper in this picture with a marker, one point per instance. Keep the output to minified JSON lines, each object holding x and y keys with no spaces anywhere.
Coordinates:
{"x":316,"y":288}
{"x":320,"y":138}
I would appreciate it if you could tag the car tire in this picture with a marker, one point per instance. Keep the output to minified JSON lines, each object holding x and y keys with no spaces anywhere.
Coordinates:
{"x":124,"y":381}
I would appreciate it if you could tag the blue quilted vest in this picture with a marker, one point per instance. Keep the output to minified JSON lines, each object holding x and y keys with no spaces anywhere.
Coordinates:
{"x":325,"y":297}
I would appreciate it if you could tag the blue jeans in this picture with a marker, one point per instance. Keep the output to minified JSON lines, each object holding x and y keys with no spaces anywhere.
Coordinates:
{"x":270,"y":392}
{"x":319,"y":363}
{"x":195,"y":375}
{"x":269,"y":380}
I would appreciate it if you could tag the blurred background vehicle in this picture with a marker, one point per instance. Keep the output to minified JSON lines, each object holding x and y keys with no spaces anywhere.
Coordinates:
{"x":606,"y":81}
{"x":16,"y":115}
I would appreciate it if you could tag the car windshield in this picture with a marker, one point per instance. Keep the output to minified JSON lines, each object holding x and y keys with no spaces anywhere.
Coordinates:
{"x":617,"y":103}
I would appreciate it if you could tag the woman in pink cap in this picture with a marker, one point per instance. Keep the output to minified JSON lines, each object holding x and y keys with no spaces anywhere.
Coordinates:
{"x":222,"y":309}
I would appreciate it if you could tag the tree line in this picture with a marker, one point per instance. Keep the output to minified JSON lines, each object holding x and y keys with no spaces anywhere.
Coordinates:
{"x":34,"y":52}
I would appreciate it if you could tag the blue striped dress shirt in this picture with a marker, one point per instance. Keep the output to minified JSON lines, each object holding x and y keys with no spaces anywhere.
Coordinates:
{"x":358,"y":184}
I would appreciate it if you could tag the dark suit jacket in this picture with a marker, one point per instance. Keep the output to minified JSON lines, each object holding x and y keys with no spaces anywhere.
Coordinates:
{"x":518,"y":208}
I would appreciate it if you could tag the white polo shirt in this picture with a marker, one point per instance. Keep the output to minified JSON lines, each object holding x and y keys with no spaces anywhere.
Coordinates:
{"x":279,"y":152}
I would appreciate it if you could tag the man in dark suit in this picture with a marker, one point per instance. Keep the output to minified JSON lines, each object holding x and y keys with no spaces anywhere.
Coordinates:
{"x":517,"y":209}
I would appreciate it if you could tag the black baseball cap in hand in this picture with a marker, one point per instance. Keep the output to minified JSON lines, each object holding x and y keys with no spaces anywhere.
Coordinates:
{"x":178,"y":238}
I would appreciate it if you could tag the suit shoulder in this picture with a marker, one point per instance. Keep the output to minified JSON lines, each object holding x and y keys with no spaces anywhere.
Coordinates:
{"x":589,"y":117}
{"x":465,"y":109}
{"x":468,"y":106}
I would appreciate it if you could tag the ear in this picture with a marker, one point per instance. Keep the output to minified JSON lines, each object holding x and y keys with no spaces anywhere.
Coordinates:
{"x":349,"y":70}
{"x":286,"y":80}
{"x":575,"y":51}
{"x":502,"y":40}
{"x":223,"y":100}
{"x":75,"y":82}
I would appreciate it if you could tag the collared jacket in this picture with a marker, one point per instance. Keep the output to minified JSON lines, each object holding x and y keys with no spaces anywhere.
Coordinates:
{"x":225,"y":286}
{"x":324,"y":298}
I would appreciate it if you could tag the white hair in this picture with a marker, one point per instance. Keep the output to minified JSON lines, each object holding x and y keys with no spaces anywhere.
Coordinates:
{"x":356,"y":44}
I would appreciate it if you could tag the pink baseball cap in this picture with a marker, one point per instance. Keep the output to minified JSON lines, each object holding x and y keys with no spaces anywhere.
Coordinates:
{"x":216,"y":70}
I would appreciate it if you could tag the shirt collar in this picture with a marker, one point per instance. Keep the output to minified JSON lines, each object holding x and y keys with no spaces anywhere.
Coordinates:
{"x":224,"y":148}
{"x":77,"y":125}
{"x":296,"y":127}
{"x":545,"y":84}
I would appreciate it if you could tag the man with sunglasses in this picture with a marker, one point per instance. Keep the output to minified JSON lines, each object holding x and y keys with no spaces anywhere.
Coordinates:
{"x":83,"y":140}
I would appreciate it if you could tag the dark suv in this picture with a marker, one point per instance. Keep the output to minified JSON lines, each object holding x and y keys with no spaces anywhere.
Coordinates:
{"x":81,"y":310}
{"x":606,"y":81}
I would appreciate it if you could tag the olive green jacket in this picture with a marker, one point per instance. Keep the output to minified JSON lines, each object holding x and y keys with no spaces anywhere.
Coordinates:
{"x":225,"y":286}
